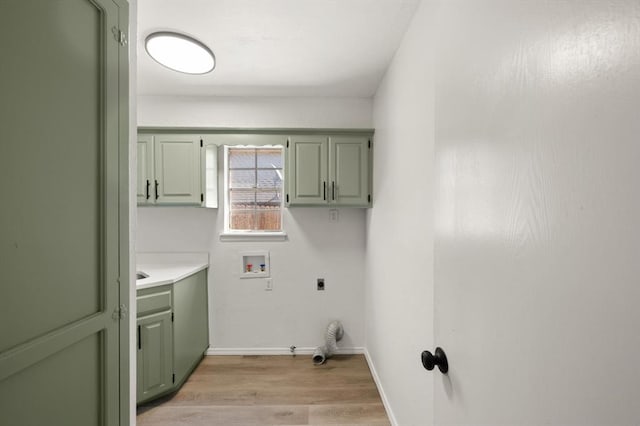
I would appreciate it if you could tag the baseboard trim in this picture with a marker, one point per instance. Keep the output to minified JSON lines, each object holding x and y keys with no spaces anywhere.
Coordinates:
{"x":383,"y":395}
{"x":278,"y":351}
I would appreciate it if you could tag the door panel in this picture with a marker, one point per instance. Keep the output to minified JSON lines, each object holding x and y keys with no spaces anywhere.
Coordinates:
{"x":349,"y":169}
{"x":51,"y":179}
{"x":59,"y":221}
{"x":177,"y":168}
{"x":145,"y":185}
{"x":308,"y":169}
{"x":537,"y":206}
{"x":155,"y":355}
{"x":63,"y":389}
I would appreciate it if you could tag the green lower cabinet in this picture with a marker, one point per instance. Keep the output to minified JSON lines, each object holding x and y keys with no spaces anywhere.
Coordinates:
{"x":191,"y":330}
{"x":155,"y":355}
{"x":329,"y":171}
{"x":173,"y":335}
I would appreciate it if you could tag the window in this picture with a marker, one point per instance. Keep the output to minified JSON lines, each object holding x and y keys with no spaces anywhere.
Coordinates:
{"x":253,"y":189}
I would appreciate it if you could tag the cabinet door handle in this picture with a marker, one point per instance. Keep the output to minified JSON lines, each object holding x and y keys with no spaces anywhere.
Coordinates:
{"x":148,"y":184}
{"x":324,"y":190}
{"x":139,"y":339}
{"x":333,"y":190}
{"x":156,"y":189}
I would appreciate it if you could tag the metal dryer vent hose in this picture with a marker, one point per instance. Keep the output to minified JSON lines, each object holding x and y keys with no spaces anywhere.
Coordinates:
{"x":333,"y":334}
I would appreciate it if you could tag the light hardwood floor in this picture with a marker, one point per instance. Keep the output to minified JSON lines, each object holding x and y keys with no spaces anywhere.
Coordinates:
{"x":271,"y":390}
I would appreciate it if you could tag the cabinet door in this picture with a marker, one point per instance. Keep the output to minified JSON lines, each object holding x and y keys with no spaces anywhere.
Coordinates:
{"x":155,"y":355}
{"x":307,"y":170}
{"x":349,"y":171}
{"x":177,"y":168}
{"x":209,"y":170}
{"x":191,"y":324}
{"x":145,"y":189}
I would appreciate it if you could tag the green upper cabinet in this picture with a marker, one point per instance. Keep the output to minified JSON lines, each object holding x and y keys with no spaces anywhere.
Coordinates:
{"x":349,"y":170}
{"x":145,"y":169}
{"x":177,"y":167}
{"x":332,"y":171}
{"x":169,"y":169}
{"x":307,"y":170}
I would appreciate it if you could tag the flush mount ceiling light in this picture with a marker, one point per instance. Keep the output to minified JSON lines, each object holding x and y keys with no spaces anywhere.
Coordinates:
{"x":180,"y":52}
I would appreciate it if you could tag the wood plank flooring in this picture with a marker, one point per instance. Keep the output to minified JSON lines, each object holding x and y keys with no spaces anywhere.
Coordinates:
{"x":271,"y":390}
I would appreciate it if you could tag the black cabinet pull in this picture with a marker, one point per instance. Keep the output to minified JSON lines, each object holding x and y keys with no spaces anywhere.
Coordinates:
{"x":324,"y":190}
{"x":429,"y":360}
{"x":148,"y":184}
{"x":333,"y":190}
{"x":139,"y":339}
{"x":156,"y":189}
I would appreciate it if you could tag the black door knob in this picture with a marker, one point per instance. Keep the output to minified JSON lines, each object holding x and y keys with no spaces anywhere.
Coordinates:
{"x":430,"y":360}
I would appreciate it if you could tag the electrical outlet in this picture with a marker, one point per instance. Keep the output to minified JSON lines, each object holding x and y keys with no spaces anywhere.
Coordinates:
{"x":333,"y":215}
{"x":269,"y":284}
{"x":320,"y":284}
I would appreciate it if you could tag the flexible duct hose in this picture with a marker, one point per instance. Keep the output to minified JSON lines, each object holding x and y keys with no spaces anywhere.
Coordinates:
{"x":333,"y":334}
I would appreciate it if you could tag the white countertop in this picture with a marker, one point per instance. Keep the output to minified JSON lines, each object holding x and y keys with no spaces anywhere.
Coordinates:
{"x":168,"y":268}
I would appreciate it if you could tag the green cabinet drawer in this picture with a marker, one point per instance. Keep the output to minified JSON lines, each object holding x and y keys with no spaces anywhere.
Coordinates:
{"x":154,"y":302}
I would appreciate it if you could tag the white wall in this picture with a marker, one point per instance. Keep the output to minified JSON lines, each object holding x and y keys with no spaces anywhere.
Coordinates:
{"x":399,"y":250}
{"x":245,"y":317}
{"x":273,"y":112}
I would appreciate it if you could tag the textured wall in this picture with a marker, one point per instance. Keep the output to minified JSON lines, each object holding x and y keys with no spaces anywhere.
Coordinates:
{"x":399,"y":253}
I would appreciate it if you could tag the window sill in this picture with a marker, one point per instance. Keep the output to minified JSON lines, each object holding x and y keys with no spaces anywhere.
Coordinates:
{"x":253,"y":236}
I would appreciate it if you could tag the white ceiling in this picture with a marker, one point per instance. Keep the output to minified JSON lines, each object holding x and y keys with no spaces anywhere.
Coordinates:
{"x":277,"y":47}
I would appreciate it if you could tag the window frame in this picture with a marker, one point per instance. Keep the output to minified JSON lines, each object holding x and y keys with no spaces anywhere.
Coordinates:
{"x":248,"y":234}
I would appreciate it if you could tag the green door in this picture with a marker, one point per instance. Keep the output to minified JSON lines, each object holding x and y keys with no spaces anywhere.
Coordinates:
{"x":63,"y":223}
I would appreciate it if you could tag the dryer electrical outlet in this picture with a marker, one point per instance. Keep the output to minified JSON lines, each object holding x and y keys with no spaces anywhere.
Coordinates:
{"x":320,"y":284}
